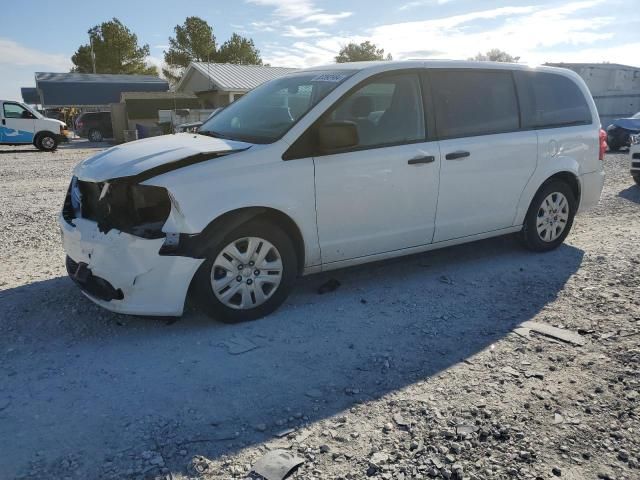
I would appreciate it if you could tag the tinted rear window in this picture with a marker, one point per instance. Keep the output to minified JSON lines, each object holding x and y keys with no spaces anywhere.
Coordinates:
{"x":474,"y":102}
{"x":550,"y":100}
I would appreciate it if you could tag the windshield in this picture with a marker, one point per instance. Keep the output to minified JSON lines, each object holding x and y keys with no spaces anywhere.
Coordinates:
{"x":34,"y":111}
{"x":266,"y":113}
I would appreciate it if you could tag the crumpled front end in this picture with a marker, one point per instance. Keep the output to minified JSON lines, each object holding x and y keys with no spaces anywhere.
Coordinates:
{"x":112,"y":234}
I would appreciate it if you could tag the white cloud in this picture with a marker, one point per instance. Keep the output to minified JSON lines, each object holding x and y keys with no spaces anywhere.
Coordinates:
{"x":14,"y":54}
{"x":291,"y":31}
{"x":420,"y":3}
{"x":574,"y":32}
{"x":302,"y":10}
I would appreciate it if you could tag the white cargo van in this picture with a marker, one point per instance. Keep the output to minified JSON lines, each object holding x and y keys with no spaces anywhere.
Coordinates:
{"x":330,"y":167}
{"x":22,"y":125}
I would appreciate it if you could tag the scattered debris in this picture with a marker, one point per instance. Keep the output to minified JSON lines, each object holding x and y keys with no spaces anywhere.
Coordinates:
{"x":277,"y":464}
{"x":285,"y":432}
{"x":200,"y":465}
{"x":554,"y":332}
{"x":511,"y":371}
{"x":238,"y":345}
{"x":534,"y":374}
{"x":329,"y":286}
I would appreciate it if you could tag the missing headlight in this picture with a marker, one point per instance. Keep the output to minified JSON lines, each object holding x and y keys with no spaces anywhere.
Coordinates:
{"x":139,"y":210}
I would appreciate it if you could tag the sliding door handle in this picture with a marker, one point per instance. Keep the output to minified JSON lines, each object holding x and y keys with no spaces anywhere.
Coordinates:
{"x":456,"y":155}
{"x":422,"y":159}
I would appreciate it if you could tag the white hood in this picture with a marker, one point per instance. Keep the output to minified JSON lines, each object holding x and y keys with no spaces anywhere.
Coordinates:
{"x":137,"y":157}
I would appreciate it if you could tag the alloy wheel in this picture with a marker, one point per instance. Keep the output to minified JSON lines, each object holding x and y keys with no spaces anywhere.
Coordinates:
{"x":553,"y":216}
{"x":246,"y":273}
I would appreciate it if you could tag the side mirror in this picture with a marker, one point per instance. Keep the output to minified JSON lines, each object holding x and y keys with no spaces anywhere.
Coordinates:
{"x":336,"y":136}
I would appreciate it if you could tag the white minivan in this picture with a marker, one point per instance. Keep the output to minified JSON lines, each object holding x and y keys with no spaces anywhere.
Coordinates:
{"x":330,"y":167}
{"x":22,"y":125}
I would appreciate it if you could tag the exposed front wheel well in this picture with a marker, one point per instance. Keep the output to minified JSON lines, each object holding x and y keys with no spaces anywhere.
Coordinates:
{"x":235,"y":218}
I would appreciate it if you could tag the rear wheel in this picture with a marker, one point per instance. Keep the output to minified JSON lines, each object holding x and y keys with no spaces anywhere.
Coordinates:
{"x":46,"y":142}
{"x":550,"y":217}
{"x":248,"y":274}
{"x":95,"y":135}
{"x":636,"y":178}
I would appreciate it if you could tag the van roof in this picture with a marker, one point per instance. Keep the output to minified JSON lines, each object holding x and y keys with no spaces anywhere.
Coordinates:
{"x":382,"y":65}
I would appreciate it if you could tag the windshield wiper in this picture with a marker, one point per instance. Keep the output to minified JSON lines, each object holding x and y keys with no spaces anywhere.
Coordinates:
{"x":211,"y":133}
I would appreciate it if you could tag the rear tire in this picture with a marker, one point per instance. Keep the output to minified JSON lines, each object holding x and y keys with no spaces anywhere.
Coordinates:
{"x":550,"y":217}
{"x":636,"y":178}
{"x":95,"y":135}
{"x":46,"y":142}
{"x":247,"y":286}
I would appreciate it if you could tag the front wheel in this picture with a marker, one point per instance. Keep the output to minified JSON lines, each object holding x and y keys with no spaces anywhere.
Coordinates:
{"x":46,"y":142}
{"x":248,"y":274}
{"x":550,"y":217}
{"x":95,"y":135}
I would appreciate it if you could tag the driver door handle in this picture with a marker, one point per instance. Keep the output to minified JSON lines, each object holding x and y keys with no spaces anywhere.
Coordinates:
{"x":422,"y":159}
{"x":456,"y":155}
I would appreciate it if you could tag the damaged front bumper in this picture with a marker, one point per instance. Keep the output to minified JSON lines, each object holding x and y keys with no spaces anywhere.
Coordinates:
{"x":125,"y":273}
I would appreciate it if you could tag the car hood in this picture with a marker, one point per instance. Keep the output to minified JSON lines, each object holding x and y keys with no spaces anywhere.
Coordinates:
{"x":154,"y":156}
{"x":628,"y":123}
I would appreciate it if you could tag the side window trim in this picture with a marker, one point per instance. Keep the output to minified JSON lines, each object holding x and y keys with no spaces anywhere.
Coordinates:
{"x":291,"y":154}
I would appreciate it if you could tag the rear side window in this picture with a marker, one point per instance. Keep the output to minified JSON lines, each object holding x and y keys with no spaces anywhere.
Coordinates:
{"x":474,"y":102}
{"x":548,"y":100}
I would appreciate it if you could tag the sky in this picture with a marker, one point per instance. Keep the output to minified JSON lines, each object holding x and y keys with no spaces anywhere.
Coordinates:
{"x":41,"y":35}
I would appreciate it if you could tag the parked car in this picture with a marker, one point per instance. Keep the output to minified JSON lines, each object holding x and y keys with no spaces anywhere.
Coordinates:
{"x":634,"y":155}
{"x":620,"y":131}
{"x":22,"y":125}
{"x":331,"y":167}
{"x":96,"y":126}
{"x":194,"y":126}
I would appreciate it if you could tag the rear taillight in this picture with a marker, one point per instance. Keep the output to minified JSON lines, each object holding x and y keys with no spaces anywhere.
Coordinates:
{"x":603,"y":144}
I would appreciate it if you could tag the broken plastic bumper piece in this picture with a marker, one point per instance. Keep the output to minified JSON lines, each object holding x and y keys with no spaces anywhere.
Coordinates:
{"x":125,"y":273}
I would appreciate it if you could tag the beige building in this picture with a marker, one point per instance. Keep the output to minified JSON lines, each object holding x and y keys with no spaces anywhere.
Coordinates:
{"x":615,"y":88}
{"x":219,"y":84}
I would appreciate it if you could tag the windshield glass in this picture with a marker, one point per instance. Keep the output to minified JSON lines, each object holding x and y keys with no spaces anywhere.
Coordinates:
{"x":34,"y":111}
{"x":266,"y":113}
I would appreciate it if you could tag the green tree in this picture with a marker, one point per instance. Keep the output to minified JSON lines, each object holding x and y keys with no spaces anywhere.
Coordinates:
{"x":116,"y":50}
{"x":240,"y":50}
{"x":362,"y":52}
{"x":194,"y":42}
{"x":495,"y":55}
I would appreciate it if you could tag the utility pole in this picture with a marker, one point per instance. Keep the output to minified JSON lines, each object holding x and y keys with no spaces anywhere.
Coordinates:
{"x":93,"y":55}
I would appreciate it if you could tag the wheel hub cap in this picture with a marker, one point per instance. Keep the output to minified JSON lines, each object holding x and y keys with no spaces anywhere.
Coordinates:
{"x":553,"y":216}
{"x":246,"y":273}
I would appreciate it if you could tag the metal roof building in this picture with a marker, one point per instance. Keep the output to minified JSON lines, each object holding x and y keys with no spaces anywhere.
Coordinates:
{"x":218,"y":84}
{"x":91,"y":90}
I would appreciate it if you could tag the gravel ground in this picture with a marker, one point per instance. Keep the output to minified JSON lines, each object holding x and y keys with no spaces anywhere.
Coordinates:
{"x":413,"y":369}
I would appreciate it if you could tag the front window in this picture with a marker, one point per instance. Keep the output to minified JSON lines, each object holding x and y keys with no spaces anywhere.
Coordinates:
{"x":266,"y":113}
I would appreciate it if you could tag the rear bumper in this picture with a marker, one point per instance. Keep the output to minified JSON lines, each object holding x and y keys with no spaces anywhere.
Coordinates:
{"x":124,"y":273}
{"x":591,"y":185}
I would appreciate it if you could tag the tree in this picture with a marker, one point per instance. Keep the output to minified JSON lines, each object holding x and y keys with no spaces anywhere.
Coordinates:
{"x":495,"y":55}
{"x":194,"y":42}
{"x":362,"y":52}
{"x":239,"y":50}
{"x":116,"y":50}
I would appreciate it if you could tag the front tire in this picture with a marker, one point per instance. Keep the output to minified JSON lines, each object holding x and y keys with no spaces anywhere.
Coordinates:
{"x":550,"y":217}
{"x":248,"y":274}
{"x":95,"y":135}
{"x":46,"y":142}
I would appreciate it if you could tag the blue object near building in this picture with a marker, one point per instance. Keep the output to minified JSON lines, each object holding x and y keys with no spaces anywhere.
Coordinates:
{"x":92,"y":90}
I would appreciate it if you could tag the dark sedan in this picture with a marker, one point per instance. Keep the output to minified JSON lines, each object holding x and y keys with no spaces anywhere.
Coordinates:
{"x":620,"y":131}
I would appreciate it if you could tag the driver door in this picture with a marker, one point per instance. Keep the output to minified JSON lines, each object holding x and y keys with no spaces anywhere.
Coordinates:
{"x":18,"y":124}
{"x":380,"y":195}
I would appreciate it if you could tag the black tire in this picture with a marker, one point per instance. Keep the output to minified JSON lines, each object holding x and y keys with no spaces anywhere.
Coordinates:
{"x":46,"y":142}
{"x":529,"y":234}
{"x":613,"y":147}
{"x":636,"y":178}
{"x":202,"y":287}
{"x":95,"y":135}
